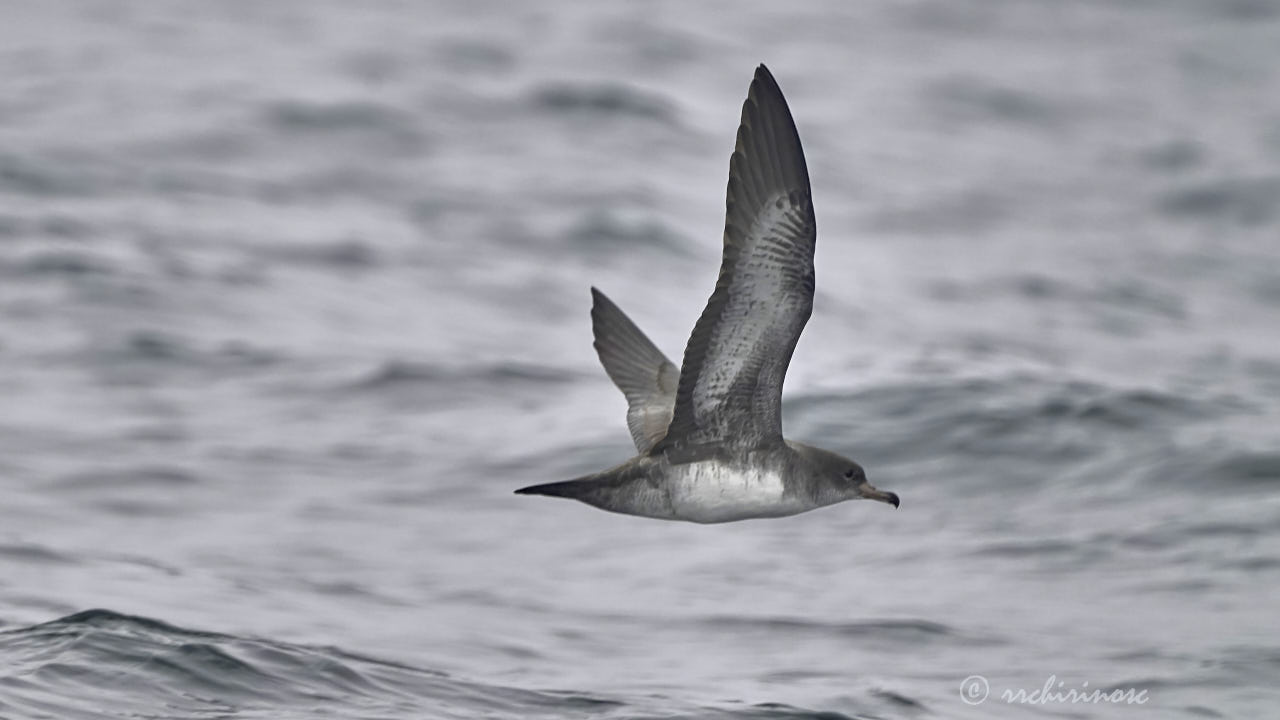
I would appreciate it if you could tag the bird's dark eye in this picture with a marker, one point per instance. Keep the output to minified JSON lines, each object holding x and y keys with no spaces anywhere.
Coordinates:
{"x":848,"y":474}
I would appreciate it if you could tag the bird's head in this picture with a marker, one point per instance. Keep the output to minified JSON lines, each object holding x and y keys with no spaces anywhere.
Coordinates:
{"x":854,"y":483}
{"x":843,"y":478}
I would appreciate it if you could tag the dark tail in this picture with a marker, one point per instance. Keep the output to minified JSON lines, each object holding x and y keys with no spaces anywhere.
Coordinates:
{"x":574,"y":489}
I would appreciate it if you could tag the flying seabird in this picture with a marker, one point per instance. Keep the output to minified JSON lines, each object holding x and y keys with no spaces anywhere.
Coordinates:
{"x":709,"y":435}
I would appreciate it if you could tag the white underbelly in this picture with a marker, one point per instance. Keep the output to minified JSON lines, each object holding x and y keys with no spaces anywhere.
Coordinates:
{"x":710,"y":493}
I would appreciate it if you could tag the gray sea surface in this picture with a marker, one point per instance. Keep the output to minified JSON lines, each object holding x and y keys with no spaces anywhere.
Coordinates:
{"x":293,"y":295}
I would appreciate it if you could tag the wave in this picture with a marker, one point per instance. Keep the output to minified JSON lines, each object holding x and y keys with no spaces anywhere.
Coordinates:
{"x":608,"y":232}
{"x":1248,"y":468}
{"x":1133,"y":295}
{"x":1023,"y":415}
{"x":97,"y":660}
{"x":35,"y":554}
{"x":59,"y":262}
{"x":296,"y":118}
{"x":157,"y":478}
{"x":98,"y":663}
{"x":606,"y":99}
{"x":1244,"y":201}
{"x":344,"y":254}
{"x":397,"y":373}
{"x":46,"y":177}
{"x":907,"y":630}
{"x":137,"y":356}
{"x":971,"y":100}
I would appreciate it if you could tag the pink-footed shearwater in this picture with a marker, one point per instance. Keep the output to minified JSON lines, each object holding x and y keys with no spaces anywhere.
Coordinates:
{"x":709,"y":436}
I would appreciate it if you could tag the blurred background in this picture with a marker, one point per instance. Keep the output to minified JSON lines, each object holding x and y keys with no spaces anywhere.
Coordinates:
{"x":294,"y":294}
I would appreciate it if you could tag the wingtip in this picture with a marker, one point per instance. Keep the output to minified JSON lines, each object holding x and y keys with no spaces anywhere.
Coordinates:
{"x":764,"y":76}
{"x":599,"y":302}
{"x":765,"y":95}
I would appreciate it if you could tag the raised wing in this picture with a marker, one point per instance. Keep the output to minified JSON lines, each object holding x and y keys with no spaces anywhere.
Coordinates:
{"x":730,"y":389}
{"x":644,"y":375}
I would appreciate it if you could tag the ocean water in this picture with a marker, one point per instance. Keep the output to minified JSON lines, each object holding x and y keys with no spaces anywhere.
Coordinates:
{"x":294,"y":294}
